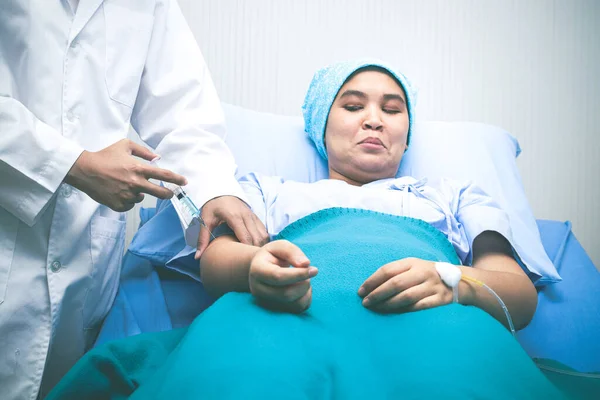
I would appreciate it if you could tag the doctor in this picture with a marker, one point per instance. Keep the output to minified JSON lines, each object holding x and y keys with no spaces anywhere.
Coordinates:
{"x":73,"y":75}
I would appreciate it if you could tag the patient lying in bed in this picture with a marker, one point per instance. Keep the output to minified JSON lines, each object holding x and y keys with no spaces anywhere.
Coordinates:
{"x":362,"y":129}
{"x":347,"y":300}
{"x":362,"y":245}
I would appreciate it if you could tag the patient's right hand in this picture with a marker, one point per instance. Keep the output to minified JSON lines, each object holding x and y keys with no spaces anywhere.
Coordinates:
{"x":276,"y":285}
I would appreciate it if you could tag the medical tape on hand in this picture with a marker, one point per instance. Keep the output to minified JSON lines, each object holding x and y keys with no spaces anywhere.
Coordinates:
{"x":450,"y":275}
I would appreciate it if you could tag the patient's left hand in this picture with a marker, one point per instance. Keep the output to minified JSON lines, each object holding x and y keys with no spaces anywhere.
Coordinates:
{"x":410,"y":284}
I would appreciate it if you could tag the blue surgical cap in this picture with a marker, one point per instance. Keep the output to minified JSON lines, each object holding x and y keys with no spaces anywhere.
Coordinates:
{"x":326,"y":84}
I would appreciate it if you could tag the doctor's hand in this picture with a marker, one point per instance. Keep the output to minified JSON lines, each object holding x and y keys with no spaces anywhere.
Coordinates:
{"x":275,"y":284}
{"x":246,"y":226}
{"x":410,"y":284}
{"x":115,"y":178}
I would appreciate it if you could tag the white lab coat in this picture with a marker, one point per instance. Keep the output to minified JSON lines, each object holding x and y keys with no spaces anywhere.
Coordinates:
{"x":69,"y":82}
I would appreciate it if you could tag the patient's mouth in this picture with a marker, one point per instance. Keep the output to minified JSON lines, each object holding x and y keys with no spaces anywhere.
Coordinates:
{"x":371,"y":142}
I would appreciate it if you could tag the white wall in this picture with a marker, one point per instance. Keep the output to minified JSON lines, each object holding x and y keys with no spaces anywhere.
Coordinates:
{"x":529,"y":66}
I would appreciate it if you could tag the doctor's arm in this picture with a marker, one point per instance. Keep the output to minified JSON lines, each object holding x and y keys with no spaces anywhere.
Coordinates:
{"x":178,"y":113}
{"x":34,"y":159}
{"x":114,"y":176}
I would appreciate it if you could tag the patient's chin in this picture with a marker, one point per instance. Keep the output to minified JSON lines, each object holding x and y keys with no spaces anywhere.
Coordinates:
{"x":368,"y":171}
{"x":364,"y":176}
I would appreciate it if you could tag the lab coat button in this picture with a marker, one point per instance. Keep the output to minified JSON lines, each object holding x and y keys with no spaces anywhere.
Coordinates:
{"x":66,"y":191}
{"x":55,"y":266}
{"x":70,"y":116}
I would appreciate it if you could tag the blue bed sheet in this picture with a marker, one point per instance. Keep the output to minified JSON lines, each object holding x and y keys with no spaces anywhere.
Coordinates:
{"x":152,"y":298}
{"x":566,"y":325}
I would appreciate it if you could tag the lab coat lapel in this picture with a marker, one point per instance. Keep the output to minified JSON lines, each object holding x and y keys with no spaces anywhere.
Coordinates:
{"x":85,"y":11}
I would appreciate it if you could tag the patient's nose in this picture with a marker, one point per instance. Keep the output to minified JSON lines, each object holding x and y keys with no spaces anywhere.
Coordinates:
{"x":373,"y":120}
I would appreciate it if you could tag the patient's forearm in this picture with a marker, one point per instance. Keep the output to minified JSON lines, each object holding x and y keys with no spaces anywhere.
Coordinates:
{"x":515,"y":289}
{"x":224,"y":266}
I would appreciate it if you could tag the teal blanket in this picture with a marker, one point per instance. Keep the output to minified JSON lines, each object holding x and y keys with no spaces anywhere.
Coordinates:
{"x":336,"y":350}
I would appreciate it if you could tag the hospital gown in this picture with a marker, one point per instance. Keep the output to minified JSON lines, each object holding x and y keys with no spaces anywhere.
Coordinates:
{"x":460,"y":210}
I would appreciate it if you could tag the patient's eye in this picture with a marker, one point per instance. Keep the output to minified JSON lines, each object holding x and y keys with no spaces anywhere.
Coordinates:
{"x":353,"y":107}
{"x":392,"y":107}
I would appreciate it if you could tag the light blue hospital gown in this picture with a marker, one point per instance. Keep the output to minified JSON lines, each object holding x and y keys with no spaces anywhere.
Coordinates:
{"x":460,"y":210}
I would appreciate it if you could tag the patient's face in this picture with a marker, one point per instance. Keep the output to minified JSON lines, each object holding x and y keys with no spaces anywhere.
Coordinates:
{"x":366,"y":129}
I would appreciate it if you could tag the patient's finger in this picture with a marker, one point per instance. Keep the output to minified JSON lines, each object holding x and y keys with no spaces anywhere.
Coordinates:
{"x":295,"y":307}
{"x":401,"y":301}
{"x":305,"y":301}
{"x":284,"y":294}
{"x":425,"y":303}
{"x":383,"y":274}
{"x":275,"y":275}
{"x":288,"y":252}
{"x":393,"y":286}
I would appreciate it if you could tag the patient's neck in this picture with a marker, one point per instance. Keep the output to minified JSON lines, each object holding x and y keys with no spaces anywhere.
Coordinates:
{"x":338,"y":176}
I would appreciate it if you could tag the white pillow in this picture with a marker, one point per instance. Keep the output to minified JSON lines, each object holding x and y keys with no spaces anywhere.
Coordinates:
{"x":277,"y":145}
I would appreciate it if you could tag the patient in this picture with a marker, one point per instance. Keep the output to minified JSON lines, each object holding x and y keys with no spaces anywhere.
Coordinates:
{"x":362,"y":129}
{"x":348,"y":301}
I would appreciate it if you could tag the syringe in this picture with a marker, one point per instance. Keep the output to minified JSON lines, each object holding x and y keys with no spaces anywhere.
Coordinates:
{"x":184,"y":200}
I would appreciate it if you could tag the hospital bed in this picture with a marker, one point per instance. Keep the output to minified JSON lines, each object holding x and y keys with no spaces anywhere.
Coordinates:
{"x":160,"y":289}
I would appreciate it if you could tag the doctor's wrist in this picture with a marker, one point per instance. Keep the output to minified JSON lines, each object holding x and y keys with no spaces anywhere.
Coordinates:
{"x":76,"y":175}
